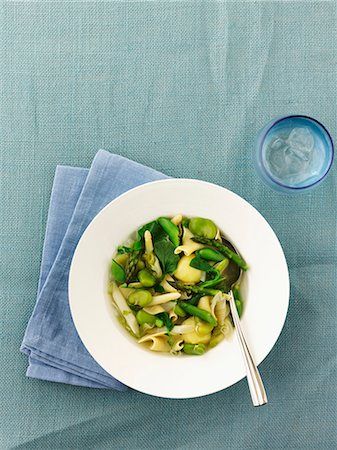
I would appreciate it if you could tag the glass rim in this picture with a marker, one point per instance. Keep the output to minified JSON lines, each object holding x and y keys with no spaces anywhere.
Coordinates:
{"x":297,"y":188}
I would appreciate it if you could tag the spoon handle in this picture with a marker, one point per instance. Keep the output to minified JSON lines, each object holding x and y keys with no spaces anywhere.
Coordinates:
{"x":255,"y":384}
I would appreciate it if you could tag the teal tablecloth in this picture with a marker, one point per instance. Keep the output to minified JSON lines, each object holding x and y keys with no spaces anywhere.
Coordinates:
{"x":183,"y":87}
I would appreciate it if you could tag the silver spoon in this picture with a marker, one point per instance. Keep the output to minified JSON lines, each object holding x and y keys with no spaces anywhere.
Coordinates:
{"x":256,"y":388}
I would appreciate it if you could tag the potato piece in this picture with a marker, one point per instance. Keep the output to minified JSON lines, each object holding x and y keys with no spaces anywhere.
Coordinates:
{"x":186,"y":273}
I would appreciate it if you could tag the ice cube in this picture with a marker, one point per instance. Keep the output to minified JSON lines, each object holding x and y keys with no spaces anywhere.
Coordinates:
{"x":298,"y":169}
{"x":286,"y":164}
{"x":301,"y":142}
{"x":279,"y":143}
{"x":276,"y":157}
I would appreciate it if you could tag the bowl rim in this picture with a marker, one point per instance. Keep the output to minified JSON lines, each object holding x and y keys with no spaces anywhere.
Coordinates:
{"x":174,"y":181}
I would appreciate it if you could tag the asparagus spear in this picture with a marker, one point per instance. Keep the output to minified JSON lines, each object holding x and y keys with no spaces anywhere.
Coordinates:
{"x":131,"y":265}
{"x":193,"y":289}
{"x":223,"y":249}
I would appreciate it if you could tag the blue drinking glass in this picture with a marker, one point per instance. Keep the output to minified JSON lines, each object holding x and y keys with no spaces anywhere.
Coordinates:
{"x":294,"y":153}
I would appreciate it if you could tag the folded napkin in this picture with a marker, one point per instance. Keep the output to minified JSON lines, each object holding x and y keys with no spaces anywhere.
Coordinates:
{"x":55,"y":351}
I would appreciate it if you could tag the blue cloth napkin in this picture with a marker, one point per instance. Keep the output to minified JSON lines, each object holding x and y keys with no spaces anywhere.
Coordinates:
{"x":55,"y":351}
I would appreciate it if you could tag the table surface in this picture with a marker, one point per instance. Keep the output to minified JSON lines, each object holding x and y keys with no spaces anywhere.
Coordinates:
{"x":183,"y":87}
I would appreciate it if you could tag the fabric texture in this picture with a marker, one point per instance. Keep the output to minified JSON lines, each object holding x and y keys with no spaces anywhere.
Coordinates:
{"x":55,"y":350}
{"x":182,"y":87}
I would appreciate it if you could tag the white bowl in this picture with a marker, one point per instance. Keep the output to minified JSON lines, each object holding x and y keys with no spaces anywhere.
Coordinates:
{"x":265,"y":289}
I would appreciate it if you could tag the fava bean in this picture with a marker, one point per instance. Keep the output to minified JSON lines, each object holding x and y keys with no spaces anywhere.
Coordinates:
{"x":146,"y":278}
{"x":140,"y":297}
{"x":143,"y":318}
{"x":203,"y":227}
{"x":179,"y":311}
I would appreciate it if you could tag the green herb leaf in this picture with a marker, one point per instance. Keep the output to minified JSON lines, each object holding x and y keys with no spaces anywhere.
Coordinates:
{"x":117,"y":272}
{"x":138,"y":245}
{"x":167,"y":321}
{"x":155,"y":229}
{"x":194,"y":299}
{"x":159,"y":288}
{"x":164,"y":251}
{"x":135,"y":307}
{"x":122,"y":249}
{"x":201,"y":264}
{"x":185,"y":222}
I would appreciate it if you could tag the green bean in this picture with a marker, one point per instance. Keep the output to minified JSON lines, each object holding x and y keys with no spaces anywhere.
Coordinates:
{"x":179,"y":311}
{"x":210,"y":255}
{"x":146,"y":278}
{"x":223,"y":249}
{"x":236,"y":292}
{"x":239,"y":307}
{"x":171,"y":229}
{"x":238,"y":300}
{"x":140,"y":297}
{"x":118,"y":272}
{"x":194,"y":349}
{"x":143,"y":317}
{"x":203,"y":227}
{"x":198,"y":312}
